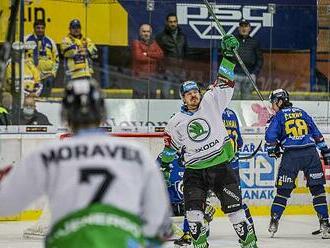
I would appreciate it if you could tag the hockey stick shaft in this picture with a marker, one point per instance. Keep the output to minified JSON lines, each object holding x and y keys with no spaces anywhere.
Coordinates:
{"x":252,"y":154}
{"x":238,"y":58}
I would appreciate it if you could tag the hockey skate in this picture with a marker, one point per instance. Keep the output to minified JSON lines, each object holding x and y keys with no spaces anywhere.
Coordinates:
{"x":250,"y":241}
{"x":273,"y":226}
{"x":325,"y":228}
{"x":247,"y":237}
{"x":184,"y":241}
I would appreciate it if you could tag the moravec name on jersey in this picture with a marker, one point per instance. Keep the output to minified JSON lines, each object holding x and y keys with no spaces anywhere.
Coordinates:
{"x":81,"y":151}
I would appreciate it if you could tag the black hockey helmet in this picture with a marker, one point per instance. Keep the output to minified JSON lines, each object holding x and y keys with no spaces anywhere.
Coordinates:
{"x":279,"y":94}
{"x":83,"y":104}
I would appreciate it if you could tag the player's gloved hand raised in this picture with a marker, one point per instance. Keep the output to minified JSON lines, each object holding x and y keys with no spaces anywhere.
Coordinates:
{"x":274,"y":151}
{"x":229,"y":43}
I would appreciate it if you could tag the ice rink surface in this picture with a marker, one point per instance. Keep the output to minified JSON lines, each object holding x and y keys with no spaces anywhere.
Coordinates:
{"x":294,"y":232}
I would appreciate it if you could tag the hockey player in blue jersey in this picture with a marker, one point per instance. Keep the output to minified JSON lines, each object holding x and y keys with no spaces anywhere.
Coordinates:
{"x":230,"y":120}
{"x":294,"y":131}
{"x":173,"y":170}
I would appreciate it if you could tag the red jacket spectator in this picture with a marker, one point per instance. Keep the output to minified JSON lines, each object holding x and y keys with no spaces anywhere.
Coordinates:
{"x":146,"y":53}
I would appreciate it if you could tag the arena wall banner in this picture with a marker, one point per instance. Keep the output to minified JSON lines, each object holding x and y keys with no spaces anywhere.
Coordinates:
{"x":283,"y":20}
{"x":136,"y":113}
{"x":258,"y":174}
{"x":104,"y":22}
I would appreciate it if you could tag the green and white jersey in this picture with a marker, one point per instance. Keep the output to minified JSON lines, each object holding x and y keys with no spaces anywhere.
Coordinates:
{"x":100,"y":188}
{"x":201,"y":135}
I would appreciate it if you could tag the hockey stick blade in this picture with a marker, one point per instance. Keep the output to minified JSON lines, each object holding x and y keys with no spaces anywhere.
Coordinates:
{"x":252,"y":154}
{"x":317,"y":232}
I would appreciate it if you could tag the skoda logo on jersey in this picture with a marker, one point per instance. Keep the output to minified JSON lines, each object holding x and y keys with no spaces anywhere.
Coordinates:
{"x":198,"y":130}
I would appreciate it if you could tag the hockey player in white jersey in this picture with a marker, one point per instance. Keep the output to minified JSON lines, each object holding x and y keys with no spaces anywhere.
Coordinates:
{"x":199,"y":133}
{"x":103,"y":191}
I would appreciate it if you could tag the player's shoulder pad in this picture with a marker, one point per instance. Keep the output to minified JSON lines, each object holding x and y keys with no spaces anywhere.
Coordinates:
{"x":229,"y":111}
{"x":298,"y":109}
{"x":175,"y":119}
{"x":270,"y":119}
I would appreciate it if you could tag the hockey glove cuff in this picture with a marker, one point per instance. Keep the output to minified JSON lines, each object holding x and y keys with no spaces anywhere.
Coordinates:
{"x":321,"y":145}
{"x":326,"y":155}
{"x":274,"y":151}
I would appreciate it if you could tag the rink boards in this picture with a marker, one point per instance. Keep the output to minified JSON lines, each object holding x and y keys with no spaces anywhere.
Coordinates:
{"x":258,"y":174}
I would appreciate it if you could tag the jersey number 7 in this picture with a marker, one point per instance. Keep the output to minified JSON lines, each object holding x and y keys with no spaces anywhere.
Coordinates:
{"x":87,"y":173}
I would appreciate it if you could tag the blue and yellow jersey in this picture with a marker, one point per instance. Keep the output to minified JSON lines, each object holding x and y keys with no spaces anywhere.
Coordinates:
{"x":231,"y":123}
{"x":230,"y":120}
{"x":31,"y":82}
{"x":44,"y":55}
{"x":78,"y":53}
{"x":175,"y":180}
{"x":292,"y":127}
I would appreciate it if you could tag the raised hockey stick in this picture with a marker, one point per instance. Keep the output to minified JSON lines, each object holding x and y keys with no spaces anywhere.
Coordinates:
{"x":252,"y":154}
{"x":240,"y":61}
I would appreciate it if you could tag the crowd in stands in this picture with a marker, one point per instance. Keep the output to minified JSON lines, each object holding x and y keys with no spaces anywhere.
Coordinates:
{"x":157,"y":62}
{"x":166,"y":54}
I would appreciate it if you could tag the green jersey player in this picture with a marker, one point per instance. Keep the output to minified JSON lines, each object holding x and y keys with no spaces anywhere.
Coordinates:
{"x":200,"y":135}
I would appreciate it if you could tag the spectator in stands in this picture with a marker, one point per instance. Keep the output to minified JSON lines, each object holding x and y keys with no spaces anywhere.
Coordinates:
{"x":174,"y":44}
{"x":29,"y":114}
{"x":44,"y":55}
{"x":146,"y":57}
{"x":172,"y":40}
{"x":31,"y":81}
{"x":249,"y":51}
{"x":5,"y":109}
{"x":78,"y":52}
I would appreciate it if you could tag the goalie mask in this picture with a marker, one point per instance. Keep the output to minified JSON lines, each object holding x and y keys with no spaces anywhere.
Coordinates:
{"x":83,"y":105}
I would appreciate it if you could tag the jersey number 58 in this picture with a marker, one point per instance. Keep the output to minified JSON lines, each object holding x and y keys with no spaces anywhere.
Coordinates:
{"x":296,"y":128}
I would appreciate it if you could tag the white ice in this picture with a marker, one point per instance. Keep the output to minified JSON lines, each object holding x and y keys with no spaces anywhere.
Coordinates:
{"x":294,"y":232}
